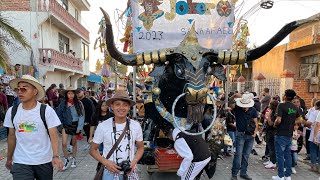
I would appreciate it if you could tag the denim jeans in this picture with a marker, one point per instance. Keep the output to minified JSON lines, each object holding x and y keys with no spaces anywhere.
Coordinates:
{"x":308,"y":131}
{"x":283,"y":153}
{"x":109,"y":176}
{"x":272,"y":151}
{"x":232,"y":135}
{"x":314,"y":153}
{"x":294,"y":156}
{"x":244,"y":145}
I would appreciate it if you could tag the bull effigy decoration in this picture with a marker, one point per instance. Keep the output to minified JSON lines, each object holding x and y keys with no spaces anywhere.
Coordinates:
{"x":181,"y":72}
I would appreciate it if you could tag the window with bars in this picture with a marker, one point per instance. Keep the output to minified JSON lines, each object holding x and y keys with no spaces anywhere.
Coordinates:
{"x":309,"y":67}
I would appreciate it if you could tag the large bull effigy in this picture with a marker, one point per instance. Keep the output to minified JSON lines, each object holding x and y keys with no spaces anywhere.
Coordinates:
{"x":178,"y":92}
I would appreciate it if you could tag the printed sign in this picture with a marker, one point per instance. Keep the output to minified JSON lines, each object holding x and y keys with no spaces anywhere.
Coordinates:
{"x":158,"y":24}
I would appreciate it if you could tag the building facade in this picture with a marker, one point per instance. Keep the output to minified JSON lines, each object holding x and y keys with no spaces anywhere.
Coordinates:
{"x":300,"y":57}
{"x":53,"y":28}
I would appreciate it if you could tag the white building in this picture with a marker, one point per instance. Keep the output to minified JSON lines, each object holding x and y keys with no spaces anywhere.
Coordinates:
{"x":53,"y":27}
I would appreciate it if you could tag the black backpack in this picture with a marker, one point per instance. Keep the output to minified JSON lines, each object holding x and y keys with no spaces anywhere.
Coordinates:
{"x":42,"y":115}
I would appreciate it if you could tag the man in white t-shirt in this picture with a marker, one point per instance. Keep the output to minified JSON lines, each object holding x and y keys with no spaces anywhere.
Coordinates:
{"x":109,"y":131}
{"x":33,"y":149}
{"x":316,"y":134}
{"x":314,"y":150}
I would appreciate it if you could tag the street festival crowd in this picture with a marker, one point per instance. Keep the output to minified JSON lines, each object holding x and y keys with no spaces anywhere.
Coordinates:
{"x":36,"y":118}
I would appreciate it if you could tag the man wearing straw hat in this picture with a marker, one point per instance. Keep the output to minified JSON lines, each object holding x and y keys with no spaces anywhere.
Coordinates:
{"x":33,"y":149}
{"x":109,"y":131}
{"x":246,"y":123}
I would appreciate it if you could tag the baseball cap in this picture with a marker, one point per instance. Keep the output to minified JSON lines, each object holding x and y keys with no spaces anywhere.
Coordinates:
{"x":81,"y":89}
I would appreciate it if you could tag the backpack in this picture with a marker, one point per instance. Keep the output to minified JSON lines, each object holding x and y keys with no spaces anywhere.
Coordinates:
{"x":42,"y":115}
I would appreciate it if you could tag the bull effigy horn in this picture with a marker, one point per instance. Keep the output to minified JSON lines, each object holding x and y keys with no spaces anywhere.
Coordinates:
{"x":126,"y":59}
{"x":240,"y":57}
{"x":286,"y":30}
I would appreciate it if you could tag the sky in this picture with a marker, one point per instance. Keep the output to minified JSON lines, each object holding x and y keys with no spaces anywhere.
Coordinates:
{"x":263,"y":24}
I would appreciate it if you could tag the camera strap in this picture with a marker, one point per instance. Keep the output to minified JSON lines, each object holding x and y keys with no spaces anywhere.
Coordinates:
{"x":126,"y":130}
{"x":118,"y":140}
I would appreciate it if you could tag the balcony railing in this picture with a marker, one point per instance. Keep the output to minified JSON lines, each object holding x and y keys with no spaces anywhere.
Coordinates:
{"x":53,"y":57}
{"x":58,"y":11}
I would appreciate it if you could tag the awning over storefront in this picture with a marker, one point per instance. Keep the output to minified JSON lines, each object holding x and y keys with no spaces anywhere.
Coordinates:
{"x":94,"y":78}
{"x":1,"y":71}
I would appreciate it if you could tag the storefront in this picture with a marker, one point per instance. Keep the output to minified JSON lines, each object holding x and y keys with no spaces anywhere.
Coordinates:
{"x":94,"y":81}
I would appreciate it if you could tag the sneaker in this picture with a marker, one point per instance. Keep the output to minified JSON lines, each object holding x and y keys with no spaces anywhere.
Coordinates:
{"x":266,"y":163}
{"x":287,"y":178}
{"x":70,"y":149}
{"x":73,"y":163}
{"x":65,"y":164}
{"x":294,"y":170}
{"x":246,"y":177}
{"x":270,"y":166}
{"x":234,"y":178}
{"x":277,"y":178}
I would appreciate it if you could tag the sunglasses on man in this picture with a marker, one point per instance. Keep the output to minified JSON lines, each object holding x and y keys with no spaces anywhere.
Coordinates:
{"x":22,"y":89}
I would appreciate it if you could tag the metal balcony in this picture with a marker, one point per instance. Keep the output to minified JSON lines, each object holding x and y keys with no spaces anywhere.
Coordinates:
{"x":63,"y":18}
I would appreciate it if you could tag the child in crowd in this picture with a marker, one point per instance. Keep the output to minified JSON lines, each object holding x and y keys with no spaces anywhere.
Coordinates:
{"x":294,"y":147}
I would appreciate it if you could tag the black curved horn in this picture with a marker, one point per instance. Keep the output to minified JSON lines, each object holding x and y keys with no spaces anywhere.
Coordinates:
{"x":240,"y":57}
{"x":287,"y":29}
{"x":126,"y":59}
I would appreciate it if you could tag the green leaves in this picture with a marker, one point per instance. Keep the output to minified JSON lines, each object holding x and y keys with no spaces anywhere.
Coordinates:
{"x":17,"y":37}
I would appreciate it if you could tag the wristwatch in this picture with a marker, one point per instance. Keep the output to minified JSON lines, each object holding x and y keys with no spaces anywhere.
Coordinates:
{"x":56,"y":157}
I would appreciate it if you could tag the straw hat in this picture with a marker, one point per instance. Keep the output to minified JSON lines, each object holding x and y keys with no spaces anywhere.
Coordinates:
{"x":69,"y":89}
{"x":246,"y":101}
{"x":120,"y":95}
{"x":31,"y":80}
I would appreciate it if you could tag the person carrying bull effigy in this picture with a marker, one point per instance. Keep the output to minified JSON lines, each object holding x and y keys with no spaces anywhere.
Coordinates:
{"x":193,"y":149}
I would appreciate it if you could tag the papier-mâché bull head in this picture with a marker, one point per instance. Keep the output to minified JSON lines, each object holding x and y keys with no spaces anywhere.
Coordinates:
{"x":191,"y":63}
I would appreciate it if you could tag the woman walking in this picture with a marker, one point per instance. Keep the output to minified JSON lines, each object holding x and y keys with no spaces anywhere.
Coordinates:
{"x":71,"y":114}
{"x":271,"y":117}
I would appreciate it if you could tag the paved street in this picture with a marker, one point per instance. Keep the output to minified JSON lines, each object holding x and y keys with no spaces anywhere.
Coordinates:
{"x":86,"y":169}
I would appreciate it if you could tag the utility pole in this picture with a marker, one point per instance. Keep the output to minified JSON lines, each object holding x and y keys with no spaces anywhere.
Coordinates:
{"x":134,"y":78}
{"x":226,"y":87}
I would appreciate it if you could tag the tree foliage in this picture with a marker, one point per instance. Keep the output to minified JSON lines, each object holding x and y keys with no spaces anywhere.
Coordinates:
{"x":9,"y":35}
